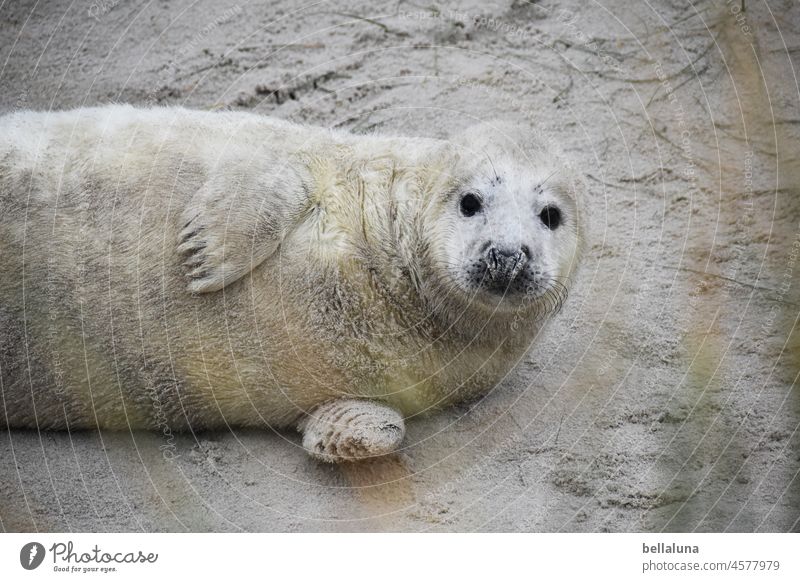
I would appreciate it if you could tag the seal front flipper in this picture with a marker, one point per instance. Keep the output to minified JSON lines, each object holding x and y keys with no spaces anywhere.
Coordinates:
{"x":236,"y":220}
{"x":350,"y":430}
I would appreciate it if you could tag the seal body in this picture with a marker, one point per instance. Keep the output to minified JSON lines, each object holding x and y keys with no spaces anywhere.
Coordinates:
{"x":171,"y":269}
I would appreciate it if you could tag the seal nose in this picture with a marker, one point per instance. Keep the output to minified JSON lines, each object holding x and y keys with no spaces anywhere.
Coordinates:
{"x":504,"y":263}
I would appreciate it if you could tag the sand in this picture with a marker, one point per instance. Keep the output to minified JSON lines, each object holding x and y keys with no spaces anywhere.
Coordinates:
{"x":664,"y":397}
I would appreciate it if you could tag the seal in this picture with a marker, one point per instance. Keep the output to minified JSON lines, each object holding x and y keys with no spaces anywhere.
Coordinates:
{"x":170,"y":269}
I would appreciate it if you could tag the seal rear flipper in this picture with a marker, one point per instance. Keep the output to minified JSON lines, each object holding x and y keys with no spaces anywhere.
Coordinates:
{"x":235,"y":222}
{"x":351,"y":429}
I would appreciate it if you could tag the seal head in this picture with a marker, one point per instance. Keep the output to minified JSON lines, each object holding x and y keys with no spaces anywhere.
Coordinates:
{"x":507,"y":233}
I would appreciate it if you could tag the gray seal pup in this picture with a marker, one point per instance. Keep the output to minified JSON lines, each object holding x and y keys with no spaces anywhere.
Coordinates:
{"x":170,"y":269}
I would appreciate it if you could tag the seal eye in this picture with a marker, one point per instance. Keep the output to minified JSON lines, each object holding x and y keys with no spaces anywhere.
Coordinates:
{"x":551,"y":217}
{"x":470,"y":204}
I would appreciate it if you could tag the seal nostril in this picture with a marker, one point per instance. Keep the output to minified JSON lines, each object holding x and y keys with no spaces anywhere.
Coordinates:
{"x":504,"y":253}
{"x":493,"y":259}
{"x":526,"y":250}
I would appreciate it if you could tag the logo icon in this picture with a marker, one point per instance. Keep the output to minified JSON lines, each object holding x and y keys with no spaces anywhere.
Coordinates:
{"x":31,"y":555}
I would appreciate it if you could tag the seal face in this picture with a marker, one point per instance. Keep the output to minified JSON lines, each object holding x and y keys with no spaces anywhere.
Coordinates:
{"x":198,"y":270}
{"x":509,"y":230}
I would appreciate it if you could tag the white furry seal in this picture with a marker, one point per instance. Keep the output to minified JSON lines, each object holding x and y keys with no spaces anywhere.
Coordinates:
{"x":173,"y":269}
